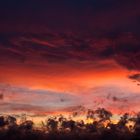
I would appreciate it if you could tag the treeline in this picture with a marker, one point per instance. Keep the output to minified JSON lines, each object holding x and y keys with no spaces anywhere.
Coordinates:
{"x":61,"y":128}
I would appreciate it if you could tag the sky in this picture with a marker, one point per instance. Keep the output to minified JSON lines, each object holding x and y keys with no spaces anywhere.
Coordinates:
{"x":59,"y":55}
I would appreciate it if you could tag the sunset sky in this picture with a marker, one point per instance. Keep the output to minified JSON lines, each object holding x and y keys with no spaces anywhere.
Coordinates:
{"x":57,"y":55}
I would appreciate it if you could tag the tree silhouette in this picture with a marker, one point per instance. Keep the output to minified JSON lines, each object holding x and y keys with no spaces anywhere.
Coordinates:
{"x":27,"y":125}
{"x":71,"y":129}
{"x":2,"y":121}
{"x":103,"y":114}
{"x":52,"y":124}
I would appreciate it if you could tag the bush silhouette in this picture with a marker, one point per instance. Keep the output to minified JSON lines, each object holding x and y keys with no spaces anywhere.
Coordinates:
{"x":61,"y":128}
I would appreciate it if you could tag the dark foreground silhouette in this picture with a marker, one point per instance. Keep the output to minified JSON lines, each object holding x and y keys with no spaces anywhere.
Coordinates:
{"x":60,"y":128}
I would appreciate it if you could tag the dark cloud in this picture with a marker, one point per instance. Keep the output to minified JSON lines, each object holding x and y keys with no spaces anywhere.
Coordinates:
{"x":116,"y":99}
{"x":59,"y":48}
{"x":135,"y":77}
{"x":60,"y":31}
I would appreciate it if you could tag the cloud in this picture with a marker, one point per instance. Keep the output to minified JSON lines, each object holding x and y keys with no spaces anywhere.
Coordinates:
{"x":65,"y":48}
{"x":70,"y":63}
{"x":28,"y":100}
{"x":113,"y":98}
{"x":135,"y":76}
{"x":15,"y":108}
{"x":69,"y":47}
